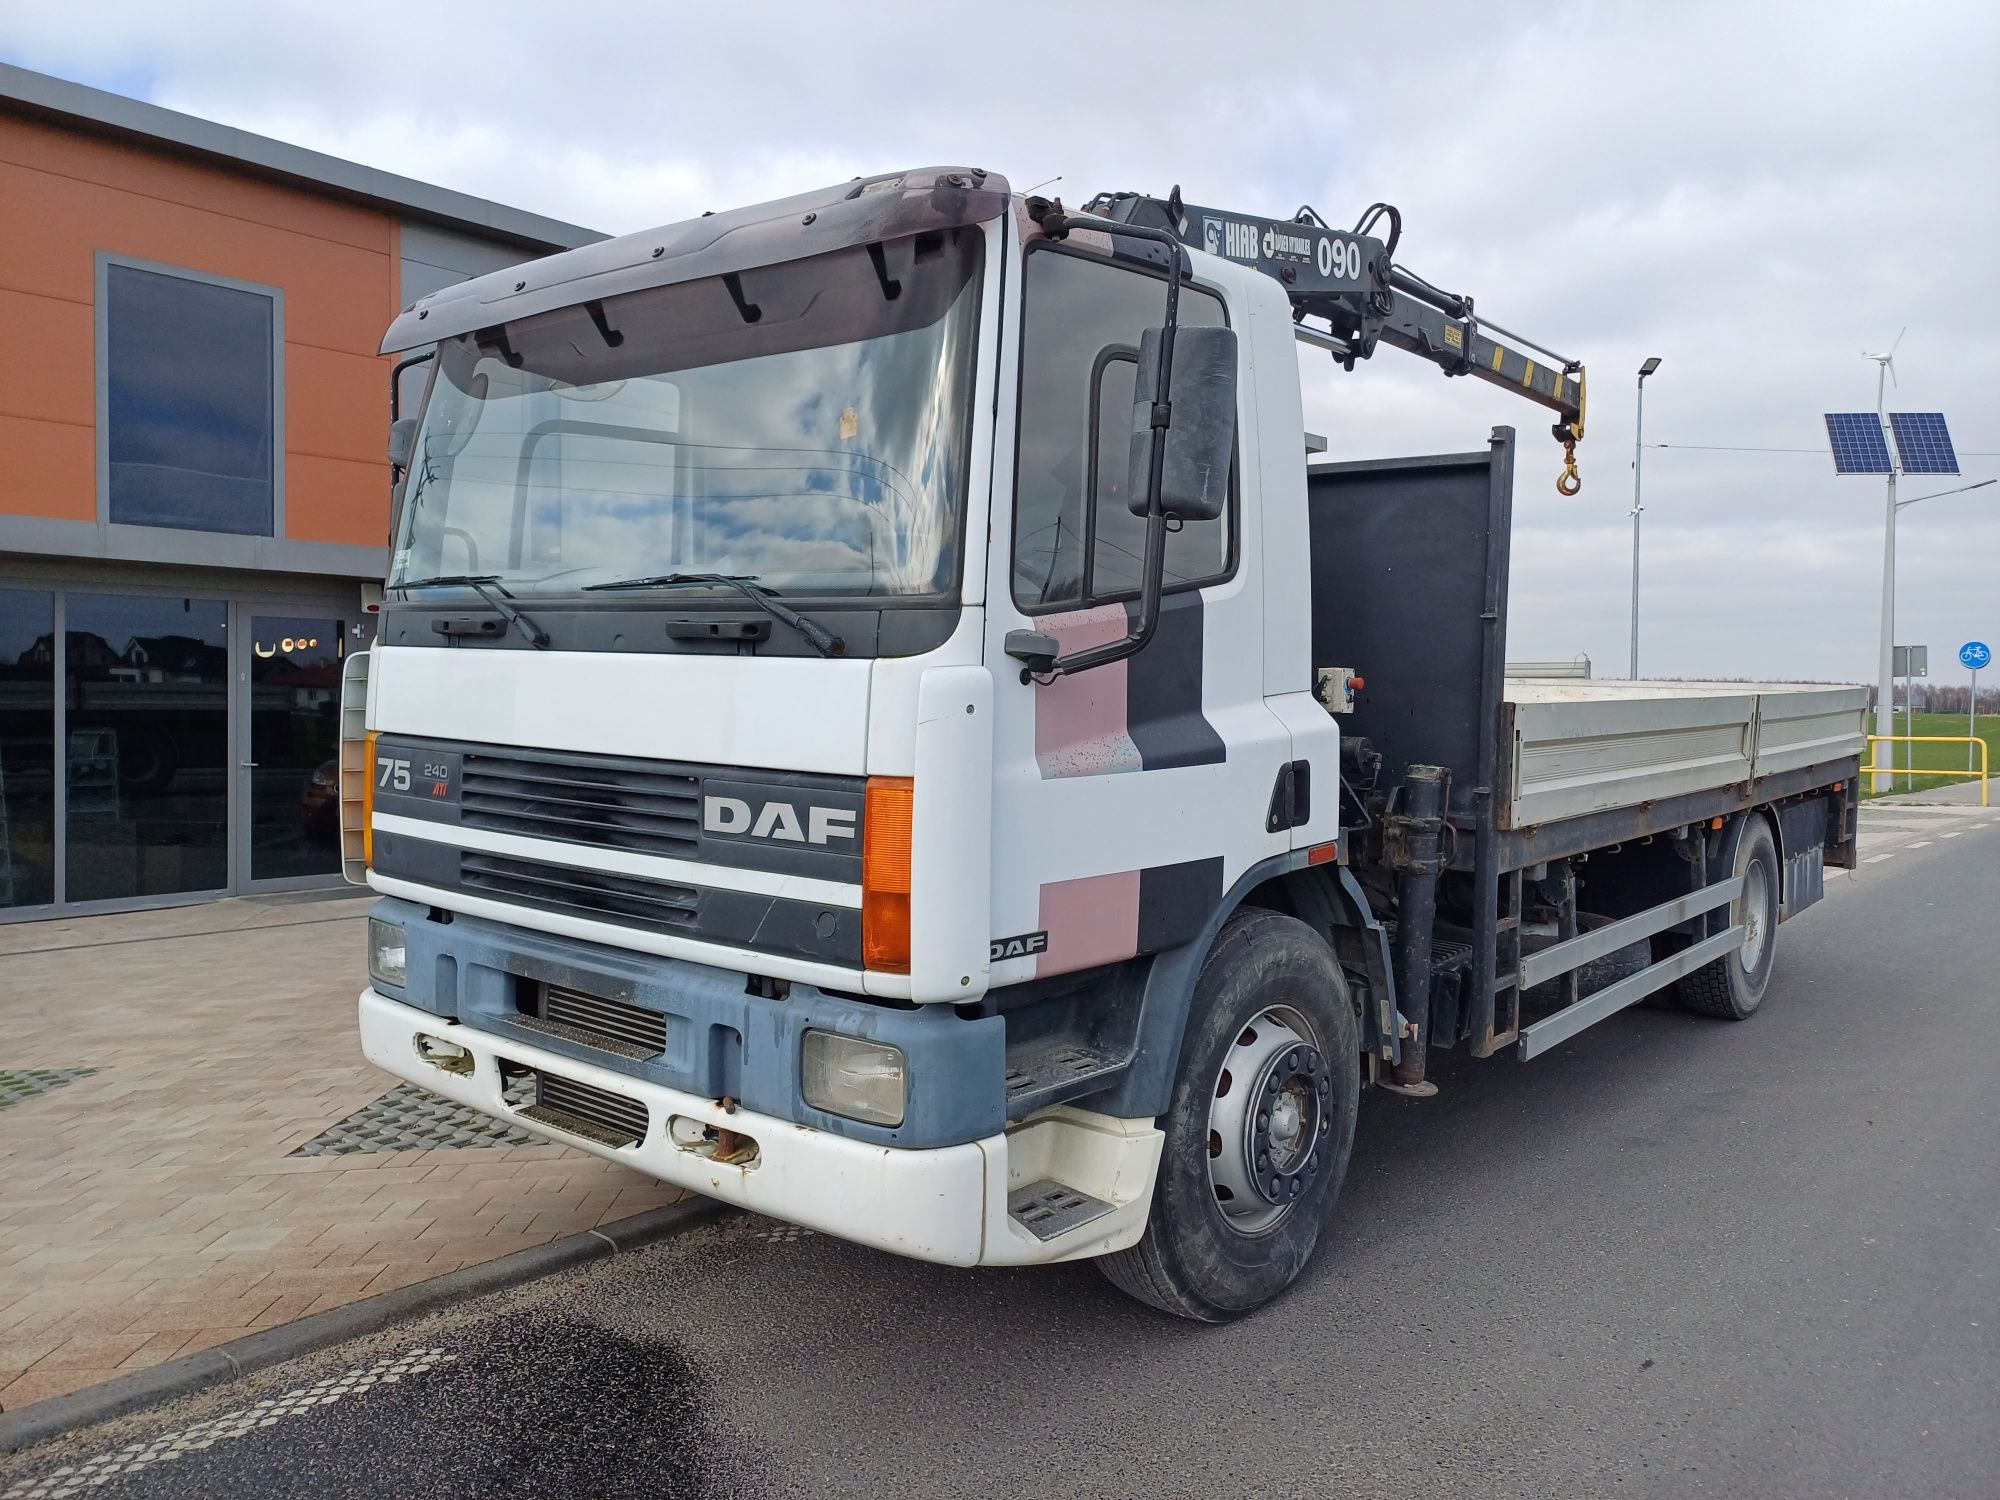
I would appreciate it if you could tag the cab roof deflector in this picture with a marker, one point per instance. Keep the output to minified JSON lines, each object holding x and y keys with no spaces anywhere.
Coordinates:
{"x":864,"y":211}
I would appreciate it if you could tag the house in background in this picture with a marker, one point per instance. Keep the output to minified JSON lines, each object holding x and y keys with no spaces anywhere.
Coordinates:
{"x":193,"y":426}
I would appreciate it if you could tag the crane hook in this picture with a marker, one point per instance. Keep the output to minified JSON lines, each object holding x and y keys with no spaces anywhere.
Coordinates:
{"x":1569,"y":481}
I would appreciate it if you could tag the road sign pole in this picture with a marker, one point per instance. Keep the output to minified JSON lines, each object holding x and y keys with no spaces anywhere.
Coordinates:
{"x":1972,"y":656}
{"x":1909,"y":728}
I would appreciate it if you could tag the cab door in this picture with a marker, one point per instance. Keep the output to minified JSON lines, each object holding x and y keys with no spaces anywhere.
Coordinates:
{"x":1128,"y":798}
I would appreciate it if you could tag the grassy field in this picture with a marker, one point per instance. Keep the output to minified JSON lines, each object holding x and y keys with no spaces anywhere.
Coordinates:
{"x":1942,"y":757}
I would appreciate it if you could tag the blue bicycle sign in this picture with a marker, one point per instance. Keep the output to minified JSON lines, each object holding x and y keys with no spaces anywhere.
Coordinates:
{"x":1975,"y":654}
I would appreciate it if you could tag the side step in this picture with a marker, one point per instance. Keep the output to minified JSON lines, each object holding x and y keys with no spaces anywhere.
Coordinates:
{"x":1040,"y":1076}
{"x":1047,"y":1208}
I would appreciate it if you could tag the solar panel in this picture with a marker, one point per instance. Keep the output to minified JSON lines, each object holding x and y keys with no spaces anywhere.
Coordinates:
{"x":1858,"y":447}
{"x":1922,"y":442}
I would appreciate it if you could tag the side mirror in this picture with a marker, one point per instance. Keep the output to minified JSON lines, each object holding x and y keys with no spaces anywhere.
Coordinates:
{"x":1201,"y":431}
{"x":402,"y":441}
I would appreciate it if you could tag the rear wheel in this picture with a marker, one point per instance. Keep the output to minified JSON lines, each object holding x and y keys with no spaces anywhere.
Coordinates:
{"x":1732,"y":988}
{"x":1259,"y":1129}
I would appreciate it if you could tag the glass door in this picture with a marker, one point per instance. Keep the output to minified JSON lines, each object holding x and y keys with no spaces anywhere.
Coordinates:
{"x":144,"y":748}
{"x":289,"y":797}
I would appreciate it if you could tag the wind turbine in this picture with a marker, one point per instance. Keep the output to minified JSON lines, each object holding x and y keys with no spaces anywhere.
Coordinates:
{"x":1885,"y":364}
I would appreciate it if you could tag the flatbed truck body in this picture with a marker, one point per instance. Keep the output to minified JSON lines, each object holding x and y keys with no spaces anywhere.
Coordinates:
{"x":1410,"y":568}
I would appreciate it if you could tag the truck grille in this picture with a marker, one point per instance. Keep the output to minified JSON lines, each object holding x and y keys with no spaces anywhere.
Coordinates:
{"x":615,"y":1026}
{"x":583,"y":1109}
{"x":582,"y":801}
{"x":622,"y":898}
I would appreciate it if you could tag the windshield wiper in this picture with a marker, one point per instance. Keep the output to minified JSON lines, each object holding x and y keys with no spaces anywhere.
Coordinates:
{"x":489,"y":587}
{"x":822,"y":640}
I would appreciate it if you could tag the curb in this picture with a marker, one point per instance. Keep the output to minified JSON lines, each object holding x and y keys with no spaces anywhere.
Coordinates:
{"x":42,"y":1420}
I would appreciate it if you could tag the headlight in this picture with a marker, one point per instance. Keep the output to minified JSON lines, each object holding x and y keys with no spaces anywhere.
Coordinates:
{"x":387,"y":953}
{"x":857,"y":1080}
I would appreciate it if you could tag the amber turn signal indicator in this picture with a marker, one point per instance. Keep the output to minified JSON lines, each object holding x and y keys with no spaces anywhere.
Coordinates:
{"x":368,"y":801}
{"x":885,"y":874}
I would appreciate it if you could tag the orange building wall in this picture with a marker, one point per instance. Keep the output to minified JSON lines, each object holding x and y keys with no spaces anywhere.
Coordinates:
{"x":64,"y":196}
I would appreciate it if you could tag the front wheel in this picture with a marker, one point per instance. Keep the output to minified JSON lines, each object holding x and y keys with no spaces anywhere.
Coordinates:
{"x":1259,"y":1128}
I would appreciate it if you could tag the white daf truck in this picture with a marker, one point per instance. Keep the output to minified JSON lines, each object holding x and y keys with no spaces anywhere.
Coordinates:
{"x":875,"y":720}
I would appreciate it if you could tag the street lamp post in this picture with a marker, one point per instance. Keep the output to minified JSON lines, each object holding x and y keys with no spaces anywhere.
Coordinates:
{"x":1885,"y":707}
{"x":1638,"y":457}
{"x":1897,"y":507}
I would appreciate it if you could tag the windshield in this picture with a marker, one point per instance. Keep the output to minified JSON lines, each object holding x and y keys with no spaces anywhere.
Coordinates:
{"x":802,"y":424}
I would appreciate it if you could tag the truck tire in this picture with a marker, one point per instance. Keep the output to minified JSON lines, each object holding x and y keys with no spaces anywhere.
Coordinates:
{"x":1732,"y":988}
{"x":1243,"y":1193}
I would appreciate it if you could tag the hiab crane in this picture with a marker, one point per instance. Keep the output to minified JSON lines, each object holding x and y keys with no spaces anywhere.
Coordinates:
{"x":1351,"y":283}
{"x":875,"y":720}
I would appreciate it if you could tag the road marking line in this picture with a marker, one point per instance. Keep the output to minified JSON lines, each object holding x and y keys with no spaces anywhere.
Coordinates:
{"x":68,"y":1479}
{"x":1876,"y":859}
{"x":1900,"y":808}
{"x":1951,"y":835}
{"x":1921,"y":844}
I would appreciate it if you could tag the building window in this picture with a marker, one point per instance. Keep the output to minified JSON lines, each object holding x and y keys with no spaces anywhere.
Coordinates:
{"x":27,"y":748}
{"x":190,"y":400}
{"x":1076,"y":541}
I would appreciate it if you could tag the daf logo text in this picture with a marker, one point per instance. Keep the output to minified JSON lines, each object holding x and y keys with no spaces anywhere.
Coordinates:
{"x":778,"y":821}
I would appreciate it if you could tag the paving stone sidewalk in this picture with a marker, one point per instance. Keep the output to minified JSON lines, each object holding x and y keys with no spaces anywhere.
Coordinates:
{"x":192,"y":1148}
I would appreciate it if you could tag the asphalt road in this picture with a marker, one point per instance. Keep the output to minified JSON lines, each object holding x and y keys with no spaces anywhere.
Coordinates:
{"x":1676,"y":1257}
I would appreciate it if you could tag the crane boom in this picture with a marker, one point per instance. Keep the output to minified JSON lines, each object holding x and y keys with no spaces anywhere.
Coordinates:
{"x":1350,"y":282}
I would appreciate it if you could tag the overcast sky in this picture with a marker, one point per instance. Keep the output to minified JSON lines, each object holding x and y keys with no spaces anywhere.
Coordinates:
{"x":1754,"y":193}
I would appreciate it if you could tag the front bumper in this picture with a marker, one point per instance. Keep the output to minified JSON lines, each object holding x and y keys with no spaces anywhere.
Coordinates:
{"x":946,"y":1204}
{"x":724,"y":1040}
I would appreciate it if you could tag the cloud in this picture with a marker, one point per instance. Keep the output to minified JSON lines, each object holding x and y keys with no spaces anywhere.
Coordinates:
{"x":1754,"y":193}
